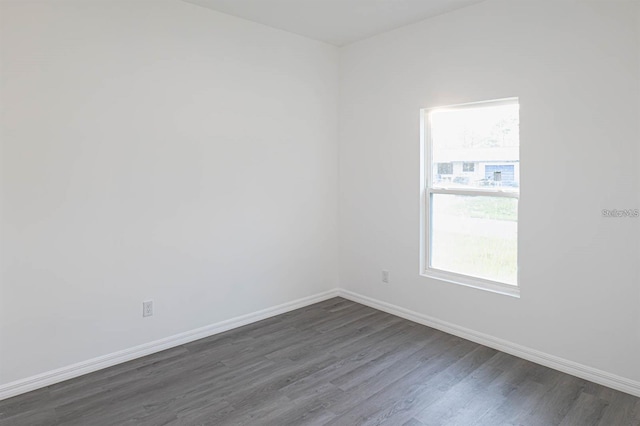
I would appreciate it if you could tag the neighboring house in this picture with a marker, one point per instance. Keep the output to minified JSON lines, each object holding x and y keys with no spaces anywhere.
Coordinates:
{"x":480,"y":167}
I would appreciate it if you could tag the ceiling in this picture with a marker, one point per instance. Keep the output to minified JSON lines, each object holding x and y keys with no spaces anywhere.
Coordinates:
{"x":337,"y":22}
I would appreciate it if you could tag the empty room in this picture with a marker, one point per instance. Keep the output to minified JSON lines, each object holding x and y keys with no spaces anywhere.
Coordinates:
{"x":320,"y":212}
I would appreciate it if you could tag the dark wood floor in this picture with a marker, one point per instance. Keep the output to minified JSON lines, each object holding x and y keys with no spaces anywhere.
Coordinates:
{"x":334,"y":363}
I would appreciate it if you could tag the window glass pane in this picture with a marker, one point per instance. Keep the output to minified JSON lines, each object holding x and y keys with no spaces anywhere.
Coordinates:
{"x":475,"y":235}
{"x":481,"y":145}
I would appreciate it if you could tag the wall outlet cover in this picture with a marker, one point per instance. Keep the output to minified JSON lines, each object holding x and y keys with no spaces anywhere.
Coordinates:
{"x":147,"y":308}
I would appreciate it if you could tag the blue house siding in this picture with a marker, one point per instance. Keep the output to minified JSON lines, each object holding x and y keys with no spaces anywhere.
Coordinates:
{"x":507,"y":170}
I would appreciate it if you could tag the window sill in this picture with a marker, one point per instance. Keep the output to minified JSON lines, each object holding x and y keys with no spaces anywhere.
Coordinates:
{"x":477,"y":283}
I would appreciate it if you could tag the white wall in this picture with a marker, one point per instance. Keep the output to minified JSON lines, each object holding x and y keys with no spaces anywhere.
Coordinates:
{"x":161,"y":150}
{"x":156,"y":150}
{"x":575,"y":68}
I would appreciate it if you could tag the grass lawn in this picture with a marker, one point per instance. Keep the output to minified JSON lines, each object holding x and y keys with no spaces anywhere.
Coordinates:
{"x":497,"y":208}
{"x":476,"y":236}
{"x":485,"y":257}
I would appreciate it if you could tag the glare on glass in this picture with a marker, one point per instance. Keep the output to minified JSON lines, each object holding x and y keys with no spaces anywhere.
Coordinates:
{"x":476,"y":147}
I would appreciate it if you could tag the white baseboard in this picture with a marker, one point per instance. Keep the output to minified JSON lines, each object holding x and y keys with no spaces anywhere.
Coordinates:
{"x":570,"y":367}
{"x":69,"y":372}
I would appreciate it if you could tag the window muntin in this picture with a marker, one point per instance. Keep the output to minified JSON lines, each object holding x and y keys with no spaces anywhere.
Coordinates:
{"x":471,"y":214}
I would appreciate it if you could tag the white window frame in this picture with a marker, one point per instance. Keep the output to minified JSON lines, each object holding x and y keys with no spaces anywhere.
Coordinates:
{"x":427,"y":190}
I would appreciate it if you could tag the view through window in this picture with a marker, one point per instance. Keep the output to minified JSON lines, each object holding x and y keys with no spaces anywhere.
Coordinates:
{"x":472,"y":190}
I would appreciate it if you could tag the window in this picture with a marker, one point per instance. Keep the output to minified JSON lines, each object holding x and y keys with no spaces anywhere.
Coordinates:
{"x":470,"y":216}
{"x":445,"y":168}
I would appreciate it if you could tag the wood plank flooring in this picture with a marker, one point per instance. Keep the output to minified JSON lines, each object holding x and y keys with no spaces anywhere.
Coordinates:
{"x":332,"y":363}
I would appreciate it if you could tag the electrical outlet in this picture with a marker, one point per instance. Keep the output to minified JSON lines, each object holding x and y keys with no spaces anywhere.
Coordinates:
{"x":147,"y":308}
{"x":385,"y":276}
